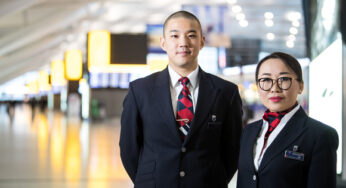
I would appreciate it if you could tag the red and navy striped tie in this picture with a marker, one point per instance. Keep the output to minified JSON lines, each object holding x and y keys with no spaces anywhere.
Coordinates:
{"x":184,"y":108}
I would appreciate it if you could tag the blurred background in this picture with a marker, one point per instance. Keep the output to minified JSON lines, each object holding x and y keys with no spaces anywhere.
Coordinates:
{"x":65,"y":68}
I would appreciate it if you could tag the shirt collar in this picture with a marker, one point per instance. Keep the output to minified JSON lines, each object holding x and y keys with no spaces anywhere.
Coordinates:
{"x":193,"y":76}
{"x":287,"y":117}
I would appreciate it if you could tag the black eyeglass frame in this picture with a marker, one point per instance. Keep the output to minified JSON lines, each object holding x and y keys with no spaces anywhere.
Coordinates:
{"x":279,"y":83}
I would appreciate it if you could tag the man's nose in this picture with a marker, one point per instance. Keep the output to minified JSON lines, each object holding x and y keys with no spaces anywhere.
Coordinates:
{"x":183,"y":42}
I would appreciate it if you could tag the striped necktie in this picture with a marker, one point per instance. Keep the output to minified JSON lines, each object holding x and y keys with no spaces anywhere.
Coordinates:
{"x":184,"y":108}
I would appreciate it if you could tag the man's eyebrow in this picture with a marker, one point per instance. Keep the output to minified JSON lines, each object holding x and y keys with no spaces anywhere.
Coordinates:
{"x":192,"y":31}
{"x":189,"y":31}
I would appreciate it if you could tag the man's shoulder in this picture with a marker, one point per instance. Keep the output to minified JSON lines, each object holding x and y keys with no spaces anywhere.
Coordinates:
{"x":146,"y":80}
{"x":220,"y":82}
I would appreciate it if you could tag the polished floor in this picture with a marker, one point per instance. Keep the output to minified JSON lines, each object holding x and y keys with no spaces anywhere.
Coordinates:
{"x":47,"y":149}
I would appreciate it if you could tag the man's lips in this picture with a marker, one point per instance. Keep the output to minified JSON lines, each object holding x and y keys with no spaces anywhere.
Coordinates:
{"x":275,"y":99}
{"x":183,"y":52}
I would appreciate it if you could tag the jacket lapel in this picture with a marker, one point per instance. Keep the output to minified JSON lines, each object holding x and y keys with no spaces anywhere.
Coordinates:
{"x":163,"y":102}
{"x":206,"y":97}
{"x":249,"y":143}
{"x":294,"y":127}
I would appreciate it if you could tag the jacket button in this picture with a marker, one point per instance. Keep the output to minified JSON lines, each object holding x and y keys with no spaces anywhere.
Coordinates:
{"x":254,"y":177}
{"x":182,"y":173}
{"x":183,"y":149}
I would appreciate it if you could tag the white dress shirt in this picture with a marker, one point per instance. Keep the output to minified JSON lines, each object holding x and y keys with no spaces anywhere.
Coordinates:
{"x":176,"y":87}
{"x":260,"y":140}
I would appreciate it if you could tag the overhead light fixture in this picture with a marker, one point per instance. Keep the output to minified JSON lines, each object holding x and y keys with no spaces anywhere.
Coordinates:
{"x":236,"y":9}
{"x":240,"y":16}
{"x":294,"y":16}
{"x":269,"y":23}
{"x":293,"y":30}
{"x":243,"y":23}
{"x":292,"y":37}
{"x":290,"y":44}
{"x":296,"y":23}
{"x":231,"y":2}
{"x":268,"y":15}
{"x":270,"y":36}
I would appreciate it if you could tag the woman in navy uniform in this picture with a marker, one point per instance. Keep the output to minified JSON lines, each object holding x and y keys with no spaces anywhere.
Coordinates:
{"x":286,"y":148}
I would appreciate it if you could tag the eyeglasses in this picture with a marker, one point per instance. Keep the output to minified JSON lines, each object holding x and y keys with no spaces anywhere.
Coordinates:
{"x":284,"y":83}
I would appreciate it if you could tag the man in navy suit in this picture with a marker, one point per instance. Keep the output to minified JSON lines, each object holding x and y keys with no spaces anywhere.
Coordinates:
{"x":156,"y":149}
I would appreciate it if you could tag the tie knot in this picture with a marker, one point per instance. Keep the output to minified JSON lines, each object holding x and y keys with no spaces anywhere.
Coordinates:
{"x":184,"y":80}
{"x":270,"y":116}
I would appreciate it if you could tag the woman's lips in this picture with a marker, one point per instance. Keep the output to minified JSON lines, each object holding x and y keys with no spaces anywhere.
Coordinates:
{"x":275,"y":99}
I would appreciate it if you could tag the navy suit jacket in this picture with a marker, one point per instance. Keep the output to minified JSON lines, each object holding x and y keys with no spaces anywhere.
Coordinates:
{"x":151,"y":148}
{"x":317,"y":141}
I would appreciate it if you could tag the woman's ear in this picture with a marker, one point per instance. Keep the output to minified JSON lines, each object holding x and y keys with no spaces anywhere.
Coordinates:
{"x":301,"y":87}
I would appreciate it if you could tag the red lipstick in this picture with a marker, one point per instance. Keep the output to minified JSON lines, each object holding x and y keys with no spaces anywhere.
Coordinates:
{"x":275,"y":99}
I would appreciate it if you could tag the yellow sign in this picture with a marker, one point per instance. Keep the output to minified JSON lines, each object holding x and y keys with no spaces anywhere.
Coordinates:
{"x":43,"y":81}
{"x":98,"y":49}
{"x":57,"y":73}
{"x":73,"y":64}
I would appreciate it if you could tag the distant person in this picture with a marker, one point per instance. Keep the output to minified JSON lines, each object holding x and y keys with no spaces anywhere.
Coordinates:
{"x":287,"y":148}
{"x":11,"y":110}
{"x":181,"y":127}
{"x":32,"y":103}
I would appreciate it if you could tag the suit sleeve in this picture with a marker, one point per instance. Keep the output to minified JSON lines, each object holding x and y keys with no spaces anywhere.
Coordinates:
{"x":231,"y":134}
{"x":322,"y":169}
{"x":130,"y":134}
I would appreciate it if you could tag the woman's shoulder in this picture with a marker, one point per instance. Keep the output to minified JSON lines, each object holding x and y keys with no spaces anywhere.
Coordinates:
{"x":322,"y":131}
{"x":319,"y":126}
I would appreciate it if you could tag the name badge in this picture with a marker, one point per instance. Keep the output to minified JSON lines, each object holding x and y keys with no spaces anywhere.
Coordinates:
{"x":294,"y":155}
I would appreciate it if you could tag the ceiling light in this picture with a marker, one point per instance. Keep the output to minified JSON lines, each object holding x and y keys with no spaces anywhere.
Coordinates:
{"x":294,"y":16}
{"x":293,"y":30}
{"x":296,"y":23}
{"x":269,"y":23}
{"x":243,"y":23}
{"x":268,"y":15}
{"x":231,"y":2}
{"x":292,"y":37}
{"x":270,"y":36}
{"x":236,"y":9}
{"x":290,"y":44}
{"x":240,"y":16}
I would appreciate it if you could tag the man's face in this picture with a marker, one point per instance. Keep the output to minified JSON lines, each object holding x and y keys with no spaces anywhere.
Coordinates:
{"x":182,"y":41}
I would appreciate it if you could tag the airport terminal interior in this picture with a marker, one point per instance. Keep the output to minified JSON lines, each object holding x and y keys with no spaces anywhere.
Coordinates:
{"x":66,"y":65}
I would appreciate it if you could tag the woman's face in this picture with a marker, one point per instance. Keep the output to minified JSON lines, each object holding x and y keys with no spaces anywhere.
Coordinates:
{"x":277,"y":99}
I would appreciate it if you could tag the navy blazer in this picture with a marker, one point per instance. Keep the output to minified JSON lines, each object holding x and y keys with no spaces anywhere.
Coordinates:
{"x":151,"y":148}
{"x":316,"y":141}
